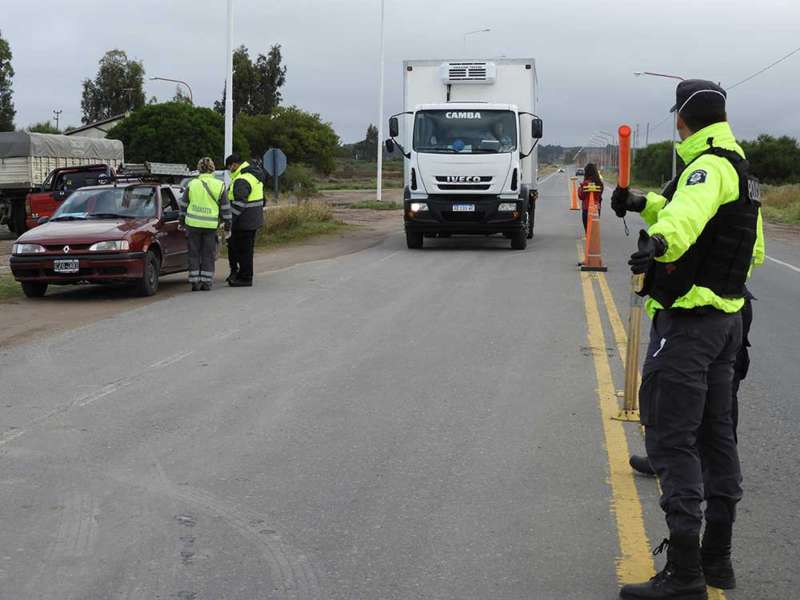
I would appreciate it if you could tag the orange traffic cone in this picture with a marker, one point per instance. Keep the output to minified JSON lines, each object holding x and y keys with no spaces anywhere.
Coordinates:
{"x":574,"y":193}
{"x":592,"y":260}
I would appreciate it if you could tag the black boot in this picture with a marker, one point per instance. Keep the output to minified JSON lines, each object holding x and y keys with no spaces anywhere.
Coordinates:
{"x":641,"y":464}
{"x":239,"y":282}
{"x":233,"y":275}
{"x":715,"y":555}
{"x":680,"y":579}
{"x":195,"y":286}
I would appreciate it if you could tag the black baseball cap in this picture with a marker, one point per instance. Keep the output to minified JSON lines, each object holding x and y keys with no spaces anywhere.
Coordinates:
{"x":702,"y":95}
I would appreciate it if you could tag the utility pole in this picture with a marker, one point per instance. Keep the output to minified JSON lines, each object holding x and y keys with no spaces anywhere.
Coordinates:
{"x":647,"y":135}
{"x":57,"y":115}
{"x":229,"y":86}
{"x":379,"y":191}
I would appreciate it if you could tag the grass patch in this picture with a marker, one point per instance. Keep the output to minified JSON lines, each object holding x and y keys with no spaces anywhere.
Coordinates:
{"x":781,"y":204}
{"x":9,"y":289}
{"x":290,"y":224}
{"x":375,"y":205}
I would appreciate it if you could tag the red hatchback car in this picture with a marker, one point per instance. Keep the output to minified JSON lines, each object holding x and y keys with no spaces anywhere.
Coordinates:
{"x":126,"y":232}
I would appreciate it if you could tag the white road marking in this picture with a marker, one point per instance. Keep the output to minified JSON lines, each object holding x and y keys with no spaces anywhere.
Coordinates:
{"x":785,"y":264}
{"x":171,"y":360}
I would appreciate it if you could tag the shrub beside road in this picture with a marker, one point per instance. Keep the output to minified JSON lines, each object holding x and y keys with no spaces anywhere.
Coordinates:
{"x":781,"y":204}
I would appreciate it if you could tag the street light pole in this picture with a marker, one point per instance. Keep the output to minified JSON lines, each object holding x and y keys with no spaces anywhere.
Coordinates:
{"x":674,"y":119}
{"x":188,"y":87}
{"x":474,"y":31}
{"x":229,"y":86}
{"x":379,"y":191}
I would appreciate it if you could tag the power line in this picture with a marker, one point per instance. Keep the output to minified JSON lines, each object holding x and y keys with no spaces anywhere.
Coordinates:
{"x":738,"y":83}
{"x":767,"y":68}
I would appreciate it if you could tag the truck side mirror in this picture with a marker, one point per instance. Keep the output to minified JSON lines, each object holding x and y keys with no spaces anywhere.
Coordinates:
{"x":394,"y":127}
{"x":536,"y":128}
{"x":390,"y":146}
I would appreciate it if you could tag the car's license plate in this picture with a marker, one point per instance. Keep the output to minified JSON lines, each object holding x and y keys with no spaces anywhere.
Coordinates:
{"x":463,"y":208}
{"x":66,"y":266}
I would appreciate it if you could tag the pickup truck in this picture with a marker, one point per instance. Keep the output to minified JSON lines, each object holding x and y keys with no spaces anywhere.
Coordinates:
{"x":60,"y":183}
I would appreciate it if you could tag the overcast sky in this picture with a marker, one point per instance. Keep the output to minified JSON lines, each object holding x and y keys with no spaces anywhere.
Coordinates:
{"x":586,"y":51}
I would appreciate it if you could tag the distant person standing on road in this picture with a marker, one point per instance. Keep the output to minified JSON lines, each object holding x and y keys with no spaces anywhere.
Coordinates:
{"x":591,"y":176}
{"x":697,"y":253}
{"x":246,"y":195}
{"x":202,"y":208}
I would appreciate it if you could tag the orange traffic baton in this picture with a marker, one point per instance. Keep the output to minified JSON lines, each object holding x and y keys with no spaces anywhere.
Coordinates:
{"x":630,"y":410}
{"x":592,"y":260}
{"x":574,"y":193}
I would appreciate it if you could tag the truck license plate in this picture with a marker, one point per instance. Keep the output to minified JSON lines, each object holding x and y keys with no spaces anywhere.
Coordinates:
{"x":66,"y":266}
{"x":463,"y":208}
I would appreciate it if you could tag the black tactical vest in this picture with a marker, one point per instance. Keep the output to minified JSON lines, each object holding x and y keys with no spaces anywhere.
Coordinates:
{"x":720,"y":258}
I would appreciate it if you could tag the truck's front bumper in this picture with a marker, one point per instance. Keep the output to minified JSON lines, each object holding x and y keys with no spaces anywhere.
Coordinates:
{"x":486,"y":218}
{"x":98,"y":268}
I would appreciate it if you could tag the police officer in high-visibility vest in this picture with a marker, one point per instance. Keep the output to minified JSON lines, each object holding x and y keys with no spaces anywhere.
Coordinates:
{"x":246,"y":195}
{"x":697,"y":253}
{"x":202,"y":208}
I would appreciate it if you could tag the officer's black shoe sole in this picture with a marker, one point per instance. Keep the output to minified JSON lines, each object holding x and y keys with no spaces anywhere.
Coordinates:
{"x":240,"y":283}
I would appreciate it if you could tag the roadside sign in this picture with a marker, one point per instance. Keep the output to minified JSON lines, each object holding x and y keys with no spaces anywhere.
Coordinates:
{"x":275,"y":162}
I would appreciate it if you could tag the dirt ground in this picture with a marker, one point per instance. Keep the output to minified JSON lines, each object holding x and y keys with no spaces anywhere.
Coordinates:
{"x":70,"y":307}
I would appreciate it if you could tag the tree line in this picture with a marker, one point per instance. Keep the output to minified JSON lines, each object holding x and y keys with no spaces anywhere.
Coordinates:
{"x":177,"y":131}
{"x":773,"y":160}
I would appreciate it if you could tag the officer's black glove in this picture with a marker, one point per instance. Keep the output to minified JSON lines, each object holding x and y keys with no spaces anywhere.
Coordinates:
{"x":649,"y":249}
{"x":622,"y":200}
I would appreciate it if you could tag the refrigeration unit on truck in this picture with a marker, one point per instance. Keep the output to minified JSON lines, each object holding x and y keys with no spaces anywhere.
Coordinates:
{"x":40,"y":164}
{"x":468,"y":133}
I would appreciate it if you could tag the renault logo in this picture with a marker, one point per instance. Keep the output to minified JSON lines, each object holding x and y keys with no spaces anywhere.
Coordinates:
{"x":66,"y":249}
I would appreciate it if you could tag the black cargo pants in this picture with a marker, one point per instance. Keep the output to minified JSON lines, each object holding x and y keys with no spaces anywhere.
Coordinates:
{"x":241,"y":246}
{"x":685,"y":405}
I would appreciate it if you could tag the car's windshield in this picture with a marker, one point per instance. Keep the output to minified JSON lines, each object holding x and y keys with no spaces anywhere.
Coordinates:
{"x":132,"y":202}
{"x":465,"y":132}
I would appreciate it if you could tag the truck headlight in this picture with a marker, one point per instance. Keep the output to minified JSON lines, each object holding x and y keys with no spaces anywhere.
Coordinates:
{"x":507,"y":207}
{"x":419,"y":207}
{"x":27,"y":249}
{"x":111,"y":246}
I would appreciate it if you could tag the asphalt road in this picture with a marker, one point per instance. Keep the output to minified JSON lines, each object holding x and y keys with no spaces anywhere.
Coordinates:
{"x":387,"y":424}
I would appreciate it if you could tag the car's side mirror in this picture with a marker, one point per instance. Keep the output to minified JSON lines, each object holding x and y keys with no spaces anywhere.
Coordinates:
{"x":42,"y":220}
{"x":394,"y":127}
{"x":536,"y":128}
{"x":390,"y":146}
{"x":171,"y":215}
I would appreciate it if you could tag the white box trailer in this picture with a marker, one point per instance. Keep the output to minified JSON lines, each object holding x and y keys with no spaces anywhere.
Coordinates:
{"x":27,"y":158}
{"x":469,"y":133}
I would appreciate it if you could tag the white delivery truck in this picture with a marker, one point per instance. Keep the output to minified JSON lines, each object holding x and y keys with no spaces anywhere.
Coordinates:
{"x":469,"y":134}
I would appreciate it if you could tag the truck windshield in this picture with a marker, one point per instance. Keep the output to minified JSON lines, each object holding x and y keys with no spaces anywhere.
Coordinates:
{"x":109,"y":203}
{"x":465,"y":132}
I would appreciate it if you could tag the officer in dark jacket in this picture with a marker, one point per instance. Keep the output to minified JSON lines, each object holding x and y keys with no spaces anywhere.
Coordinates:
{"x":246,"y":195}
{"x":697,"y":254}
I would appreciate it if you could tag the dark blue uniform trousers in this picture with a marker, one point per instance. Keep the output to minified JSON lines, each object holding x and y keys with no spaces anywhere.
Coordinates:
{"x":685,"y":404}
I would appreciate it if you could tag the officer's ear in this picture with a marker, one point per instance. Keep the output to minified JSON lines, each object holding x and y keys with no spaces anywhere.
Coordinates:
{"x":683,"y":129}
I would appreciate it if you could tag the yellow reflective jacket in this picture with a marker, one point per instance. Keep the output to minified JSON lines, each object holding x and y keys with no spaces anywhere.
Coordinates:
{"x":681,"y":221}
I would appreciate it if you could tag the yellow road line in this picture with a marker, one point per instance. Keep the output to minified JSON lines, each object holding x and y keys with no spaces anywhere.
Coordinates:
{"x":635,"y":562}
{"x":630,"y":532}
